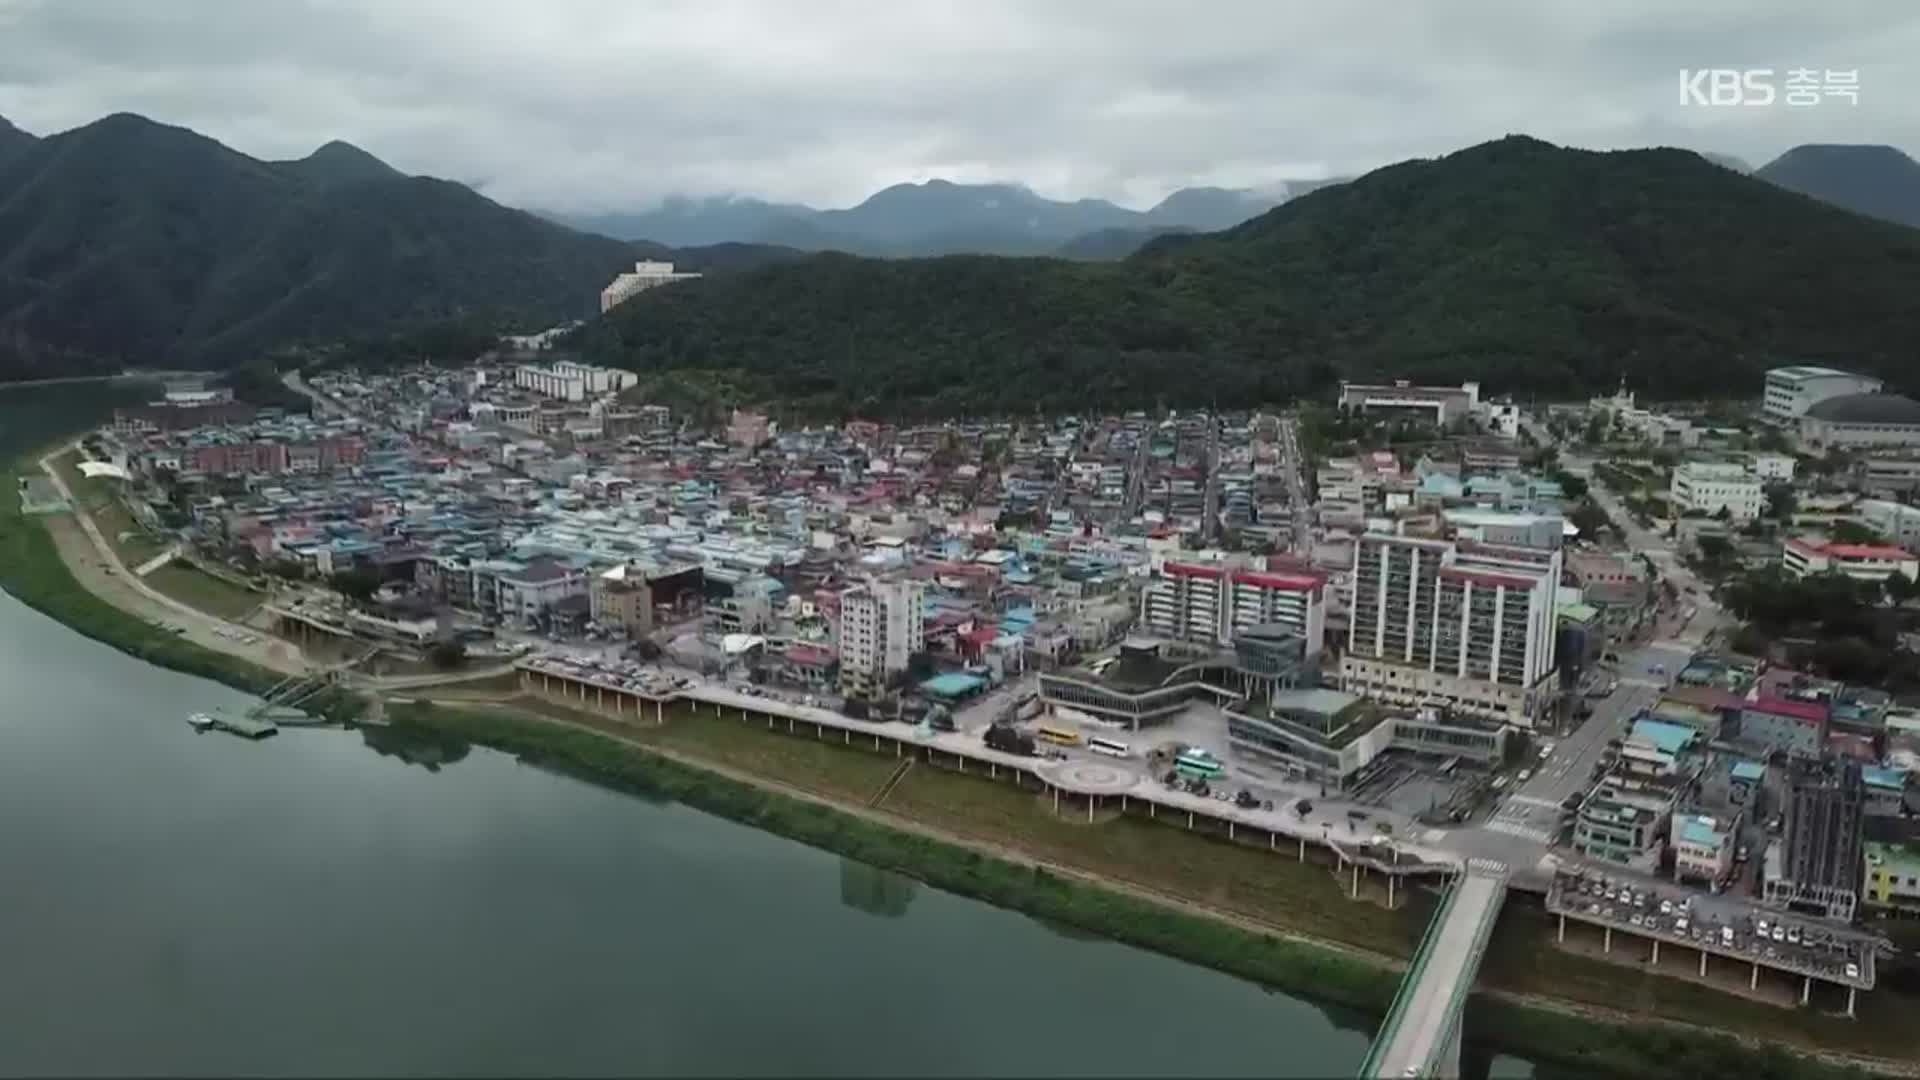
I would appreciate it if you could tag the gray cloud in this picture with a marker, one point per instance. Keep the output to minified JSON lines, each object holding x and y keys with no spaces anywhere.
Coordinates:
{"x":575,"y":105}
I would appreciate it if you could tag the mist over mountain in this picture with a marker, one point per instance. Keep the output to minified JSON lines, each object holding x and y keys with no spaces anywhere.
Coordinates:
{"x":941,"y":217}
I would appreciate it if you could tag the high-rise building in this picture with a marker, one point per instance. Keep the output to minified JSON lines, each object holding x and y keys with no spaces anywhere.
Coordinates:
{"x":882,"y":624}
{"x":645,"y":275}
{"x":1464,"y":625}
{"x":1212,"y":604}
{"x":1819,"y":868}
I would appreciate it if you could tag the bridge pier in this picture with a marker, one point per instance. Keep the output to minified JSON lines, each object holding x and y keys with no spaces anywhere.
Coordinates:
{"x":1654,"y":961}
{"x":1753,"y":982}
{"x":1606,"y":939}
{"x":1703,"y":963}
{"x":1562,"y":939}
{"x":1850,"y":993}
{"x":1806,"y":988}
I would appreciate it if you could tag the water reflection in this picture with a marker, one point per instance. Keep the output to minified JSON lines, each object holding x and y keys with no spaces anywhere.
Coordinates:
{"x":431,"y":750}
{"x":876,"y":891}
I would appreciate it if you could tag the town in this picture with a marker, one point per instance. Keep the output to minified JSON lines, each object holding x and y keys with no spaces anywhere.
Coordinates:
{"x":1647,"y":662}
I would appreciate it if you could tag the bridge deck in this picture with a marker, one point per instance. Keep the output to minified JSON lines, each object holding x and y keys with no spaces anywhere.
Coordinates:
{"x":1420,"y":1030}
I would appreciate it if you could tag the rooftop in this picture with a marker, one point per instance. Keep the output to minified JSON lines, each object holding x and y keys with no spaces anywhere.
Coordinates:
{"x":1810,"y":711}
{"x":1669,"y":738}
{"x":1867,"y":409}
{"x":1809,"y":371}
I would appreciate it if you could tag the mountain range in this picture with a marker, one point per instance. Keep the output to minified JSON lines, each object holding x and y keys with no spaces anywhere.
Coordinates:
{"x":1878,"y":181}
{"x":1529,"y":267}
{"x":128,"y":242}
{"x":940,"y":217}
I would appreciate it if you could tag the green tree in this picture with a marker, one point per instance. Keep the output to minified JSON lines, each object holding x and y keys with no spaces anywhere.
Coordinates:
{"x":357,"y":584}
{"x":1853,"y":532}
{"x":1781,"y":501}
{"x":1596,"y":431}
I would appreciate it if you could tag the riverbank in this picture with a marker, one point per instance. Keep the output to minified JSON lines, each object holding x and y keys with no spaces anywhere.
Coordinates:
{"x":1571,"y":1036}
{"x":1215,"y":929}
{"x":36,"y":570}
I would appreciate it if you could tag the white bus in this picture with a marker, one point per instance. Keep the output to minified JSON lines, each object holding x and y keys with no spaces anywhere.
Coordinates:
{"x":1109,"y":747}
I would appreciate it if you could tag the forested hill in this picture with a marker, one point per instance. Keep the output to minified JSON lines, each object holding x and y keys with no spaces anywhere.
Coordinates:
{"x":131,"y":242}
{"x":1527,"y":266}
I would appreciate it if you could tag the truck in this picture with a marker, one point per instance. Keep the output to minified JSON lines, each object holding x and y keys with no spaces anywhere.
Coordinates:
{"x":1009,"y":740}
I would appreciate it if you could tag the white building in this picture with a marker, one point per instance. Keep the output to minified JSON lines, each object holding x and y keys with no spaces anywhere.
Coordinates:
{"x":1861,"y":421}
{"x":1210,"y":604}
{"x":1897,"y":522}
{"x":882,"y":624}
{"x":1463,"y":625}
{"x":1791,"y":391}
{"x":1770,"y":467}
{"x":568,"y":381}
{"x":1438,"y":404}
{"x":1710,"y":486}
{"x":1862,"y":562}
{"x":645,"y":275}
{"x":1703,"y":847}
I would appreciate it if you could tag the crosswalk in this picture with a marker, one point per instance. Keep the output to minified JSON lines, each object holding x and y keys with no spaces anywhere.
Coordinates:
{"x":1514,"y":828}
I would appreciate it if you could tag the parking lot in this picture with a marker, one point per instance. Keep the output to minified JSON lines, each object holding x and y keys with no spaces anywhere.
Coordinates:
{"x":1719,"y":925}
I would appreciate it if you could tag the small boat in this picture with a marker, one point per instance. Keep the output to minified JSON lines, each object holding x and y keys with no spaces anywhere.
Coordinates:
{"x":201,"y":722}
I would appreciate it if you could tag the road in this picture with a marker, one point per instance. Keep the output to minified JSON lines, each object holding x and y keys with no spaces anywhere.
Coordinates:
{"x":1709,"y":619}
{"x":102,"y":573}
{"x":1294,"y":467}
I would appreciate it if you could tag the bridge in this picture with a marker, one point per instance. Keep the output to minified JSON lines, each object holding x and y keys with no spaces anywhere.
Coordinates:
{"x":1421,"y":1034}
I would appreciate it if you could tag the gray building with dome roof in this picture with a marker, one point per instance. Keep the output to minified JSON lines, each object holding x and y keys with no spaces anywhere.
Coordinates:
{"x":1861,"y":422}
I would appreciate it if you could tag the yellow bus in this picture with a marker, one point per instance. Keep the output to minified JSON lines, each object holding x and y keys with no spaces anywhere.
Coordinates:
{"x":1058,"y":735}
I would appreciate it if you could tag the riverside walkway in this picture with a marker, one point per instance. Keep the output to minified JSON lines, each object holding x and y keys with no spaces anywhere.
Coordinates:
{"x":1421,"y":1034}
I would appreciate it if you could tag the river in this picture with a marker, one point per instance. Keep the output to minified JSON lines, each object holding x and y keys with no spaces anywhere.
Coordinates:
{"x":323,"y":903}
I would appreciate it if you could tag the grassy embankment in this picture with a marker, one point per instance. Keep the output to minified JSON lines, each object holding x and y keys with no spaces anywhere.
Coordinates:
{"x":1303,"y":898}
{"x":100,"y":498}
{"x":31,"y":569}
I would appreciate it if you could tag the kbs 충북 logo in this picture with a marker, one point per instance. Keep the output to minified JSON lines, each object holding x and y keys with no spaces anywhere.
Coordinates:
{"x":1762,"y":87}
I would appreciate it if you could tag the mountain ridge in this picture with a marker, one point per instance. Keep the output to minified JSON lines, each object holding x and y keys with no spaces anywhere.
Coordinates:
{"x":937,"y":217}
{"x":129,"y":242}
{"x":1529,"y":267}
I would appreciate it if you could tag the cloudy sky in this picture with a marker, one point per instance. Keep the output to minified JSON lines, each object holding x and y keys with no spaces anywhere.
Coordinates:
{"x":576,"y":105}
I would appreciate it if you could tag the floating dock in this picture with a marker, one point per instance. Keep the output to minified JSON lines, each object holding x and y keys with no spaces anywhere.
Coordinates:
{"x":244,"y":726}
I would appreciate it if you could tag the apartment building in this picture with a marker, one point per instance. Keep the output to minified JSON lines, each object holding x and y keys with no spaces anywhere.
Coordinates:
{"x":1791,"y":391}
{"x":1467,"y":626}
{"x":1211,"y":604}
{"x":567,"y":381}
{"x":1862,"y":562}
{"x":882,"y":624}
{"x":644,"y":275}
{"x":1708,"y":487}
{"x":1816,"y":867}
